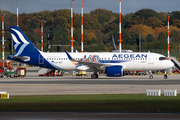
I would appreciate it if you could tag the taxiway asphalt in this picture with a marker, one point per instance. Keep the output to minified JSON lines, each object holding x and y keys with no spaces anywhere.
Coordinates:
{"x":33,"y":84}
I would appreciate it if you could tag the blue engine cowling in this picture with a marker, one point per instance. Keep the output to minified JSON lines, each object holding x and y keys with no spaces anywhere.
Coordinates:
{"x":114,"y":71}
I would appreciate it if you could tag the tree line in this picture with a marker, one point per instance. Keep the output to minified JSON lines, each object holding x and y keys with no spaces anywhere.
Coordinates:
{"x":99,"y":26}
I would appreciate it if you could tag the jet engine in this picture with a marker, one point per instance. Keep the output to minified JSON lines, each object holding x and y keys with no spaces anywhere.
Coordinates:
{"x":114,"y":71}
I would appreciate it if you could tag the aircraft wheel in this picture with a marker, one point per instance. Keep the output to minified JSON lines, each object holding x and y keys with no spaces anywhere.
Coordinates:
{"x":94,"y":76}
{"x":151,"y":77}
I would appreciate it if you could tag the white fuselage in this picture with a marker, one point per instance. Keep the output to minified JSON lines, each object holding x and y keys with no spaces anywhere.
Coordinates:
{"x":129,"y":61}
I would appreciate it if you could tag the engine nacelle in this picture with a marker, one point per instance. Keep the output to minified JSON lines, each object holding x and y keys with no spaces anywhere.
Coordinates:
{"x":114,"y":71}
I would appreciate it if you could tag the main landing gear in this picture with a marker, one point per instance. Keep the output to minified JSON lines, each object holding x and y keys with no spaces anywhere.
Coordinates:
{"x":150,"y":76}
{"x":94,"y":76}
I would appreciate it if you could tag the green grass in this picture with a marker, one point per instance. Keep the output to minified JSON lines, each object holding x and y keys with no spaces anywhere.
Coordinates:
{"x":129,"y":103}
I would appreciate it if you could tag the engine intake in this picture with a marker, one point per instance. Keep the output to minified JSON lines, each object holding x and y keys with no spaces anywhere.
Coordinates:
{"x":114,"y":71}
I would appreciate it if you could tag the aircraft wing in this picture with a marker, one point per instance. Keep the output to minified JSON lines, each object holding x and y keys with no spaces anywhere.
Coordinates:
{"x":92,"y":64}
{"x":88,"y":64}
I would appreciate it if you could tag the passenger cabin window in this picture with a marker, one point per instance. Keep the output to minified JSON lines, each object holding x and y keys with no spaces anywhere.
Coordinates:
{"x":162,"y":58}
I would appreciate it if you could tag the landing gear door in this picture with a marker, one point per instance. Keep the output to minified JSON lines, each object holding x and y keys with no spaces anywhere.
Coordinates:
{"x":41,"y":59}
{"x":151,"y":59}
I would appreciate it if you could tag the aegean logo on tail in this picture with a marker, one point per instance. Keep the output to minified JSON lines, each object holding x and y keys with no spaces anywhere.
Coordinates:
{"x":23,"y":40}
{"x":21,"y":37}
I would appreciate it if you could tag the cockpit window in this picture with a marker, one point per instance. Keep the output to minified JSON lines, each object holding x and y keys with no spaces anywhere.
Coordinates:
{"x":162,"y":58}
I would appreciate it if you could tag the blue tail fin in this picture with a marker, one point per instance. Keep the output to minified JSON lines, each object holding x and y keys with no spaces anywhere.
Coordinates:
{"x":21,"y":42}
{"x":26,"y":52}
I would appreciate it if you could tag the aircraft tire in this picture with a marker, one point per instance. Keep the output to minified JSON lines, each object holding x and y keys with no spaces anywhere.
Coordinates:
{"x":151,"y":77}
{"x":94,"y":76}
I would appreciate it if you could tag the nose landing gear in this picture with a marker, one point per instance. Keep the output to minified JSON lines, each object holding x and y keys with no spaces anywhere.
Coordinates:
{"x":150,"y":76}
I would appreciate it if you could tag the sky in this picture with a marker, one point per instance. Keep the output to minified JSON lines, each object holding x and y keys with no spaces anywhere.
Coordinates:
{"x":128,"y":6}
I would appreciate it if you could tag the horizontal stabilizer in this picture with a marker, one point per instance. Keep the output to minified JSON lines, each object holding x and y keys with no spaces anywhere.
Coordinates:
{"x":24,"y":58}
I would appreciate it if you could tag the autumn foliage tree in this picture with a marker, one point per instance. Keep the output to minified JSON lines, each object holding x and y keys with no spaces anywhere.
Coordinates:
{"x":176,"y":22}
{"x":159,"y":30}
{"x":154,"y":22}
{"x":143,"y":29}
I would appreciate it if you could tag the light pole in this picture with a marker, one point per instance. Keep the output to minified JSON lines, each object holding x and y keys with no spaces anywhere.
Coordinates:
{"x":17,"y":14}
{"x":120,"y":26}
{"x":139,"y":42}
{"x":81,"y":25}
{"x":168,"y":37}
{"x":42,"y":35}
{"x":3,"y":40}
{"x":72,"y":26}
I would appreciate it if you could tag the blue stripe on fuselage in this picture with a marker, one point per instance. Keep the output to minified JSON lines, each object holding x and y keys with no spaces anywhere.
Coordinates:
{"x":114,"y":61}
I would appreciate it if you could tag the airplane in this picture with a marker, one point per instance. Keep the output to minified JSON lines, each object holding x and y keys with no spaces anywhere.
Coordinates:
{"x":112,"y":64}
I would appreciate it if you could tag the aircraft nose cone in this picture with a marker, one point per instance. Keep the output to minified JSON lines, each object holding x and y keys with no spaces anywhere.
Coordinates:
{"x":171,"y":64}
